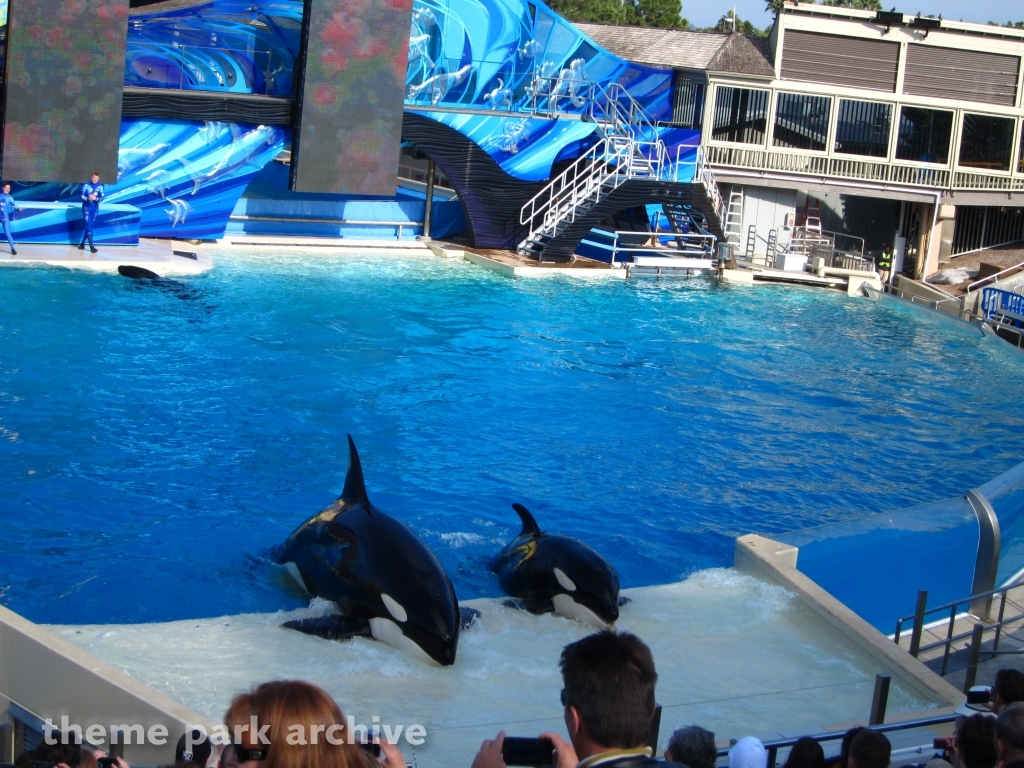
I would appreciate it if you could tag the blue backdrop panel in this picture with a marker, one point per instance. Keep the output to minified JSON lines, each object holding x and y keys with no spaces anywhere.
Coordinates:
{"x":184,"y":177}
{"x":62,"y":223}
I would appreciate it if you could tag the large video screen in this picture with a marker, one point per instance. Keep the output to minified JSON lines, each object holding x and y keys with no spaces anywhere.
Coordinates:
{"x":65,"y":74}
{"x":353,"y":89}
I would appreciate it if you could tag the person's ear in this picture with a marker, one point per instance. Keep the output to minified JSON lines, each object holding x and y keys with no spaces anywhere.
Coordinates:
{"x":573,"y":722}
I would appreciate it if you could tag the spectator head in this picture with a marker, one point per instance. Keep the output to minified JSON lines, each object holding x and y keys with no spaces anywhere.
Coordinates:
{"x":7,"y":187}
{"x":1009,"y":689}
{"x":976,"y":742}
{"x":806,"y":753}
{"x":609,"y":682}
{"x":306,"y":729}
{"x":844,"y":752}
{"x":69,"y":755}
{"x":748,"y":752}
{"x":870,"y":749}
{"x":199,"y":753}
{"x":1010,"y":733}
{"x":95,"y":176}
{"x":692,"y":746}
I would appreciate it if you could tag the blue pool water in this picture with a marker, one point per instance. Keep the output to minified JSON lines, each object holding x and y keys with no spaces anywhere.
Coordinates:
{"x":154,"y":442}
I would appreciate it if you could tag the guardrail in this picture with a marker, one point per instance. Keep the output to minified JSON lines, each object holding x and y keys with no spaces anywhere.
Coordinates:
{"x":337,"y":222}
{"x":773,"y":747}
{"x":695,"y":250}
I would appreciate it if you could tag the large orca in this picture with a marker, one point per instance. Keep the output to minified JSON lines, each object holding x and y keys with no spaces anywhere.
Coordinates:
{"x":549,"y":572}
{"x":385,"y":581}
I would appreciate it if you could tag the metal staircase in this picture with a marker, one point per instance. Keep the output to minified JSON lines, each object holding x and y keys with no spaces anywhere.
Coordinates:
{"x":629,"y":148}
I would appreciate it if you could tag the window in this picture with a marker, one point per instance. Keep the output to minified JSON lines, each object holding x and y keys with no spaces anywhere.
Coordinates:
{"x":986,"y":142}
{"x":801,"y":122}
{"x":863,"y":128}
{"x":688,"y":106}
{"x":741,"y":115}
{"x":924,"y":135}
{"x":1020,"y":156}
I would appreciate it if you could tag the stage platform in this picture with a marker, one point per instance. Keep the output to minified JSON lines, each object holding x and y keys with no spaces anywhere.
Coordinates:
{"x":164,"y":257}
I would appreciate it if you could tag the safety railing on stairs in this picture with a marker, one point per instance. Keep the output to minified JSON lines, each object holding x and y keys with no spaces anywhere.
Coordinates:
{"x":602,"y":168}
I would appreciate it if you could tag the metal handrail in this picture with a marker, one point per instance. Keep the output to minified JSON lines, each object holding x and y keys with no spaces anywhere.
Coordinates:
{"x":775,"y":745}
{"x":993,"y":278}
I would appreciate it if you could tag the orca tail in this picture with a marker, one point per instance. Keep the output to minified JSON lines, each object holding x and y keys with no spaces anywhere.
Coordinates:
{"x":529,"y":524}
{"x":355,"y":489}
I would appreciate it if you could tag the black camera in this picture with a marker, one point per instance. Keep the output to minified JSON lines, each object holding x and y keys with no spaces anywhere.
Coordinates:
{"x":979,"y":694}
{"x":528,"y":752}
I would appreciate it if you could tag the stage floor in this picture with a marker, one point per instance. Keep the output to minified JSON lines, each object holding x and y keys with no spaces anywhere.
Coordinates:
{"x":164,"y":257}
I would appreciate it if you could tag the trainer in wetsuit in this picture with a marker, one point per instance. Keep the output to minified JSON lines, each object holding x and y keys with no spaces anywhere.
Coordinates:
{"x":608,"y":703}
{"x":92,"y":193}
{"x":885,"y":263}
{"x":7,"y":208}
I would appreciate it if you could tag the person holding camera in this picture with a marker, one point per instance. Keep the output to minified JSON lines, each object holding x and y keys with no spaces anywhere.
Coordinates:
{"x":608,"y":704}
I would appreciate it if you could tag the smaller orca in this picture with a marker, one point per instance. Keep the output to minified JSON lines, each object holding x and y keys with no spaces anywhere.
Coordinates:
{"x":549,"y":572}
{"x":136,"y":273}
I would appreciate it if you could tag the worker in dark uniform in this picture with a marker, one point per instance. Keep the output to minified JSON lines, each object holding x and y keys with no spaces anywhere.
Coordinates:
{"x":7,"y":208}
{"x":885,"y":263}
{"x":92,"y":193}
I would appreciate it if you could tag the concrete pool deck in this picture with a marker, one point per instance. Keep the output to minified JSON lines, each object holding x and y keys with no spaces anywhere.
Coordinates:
{"x":164,"y":257}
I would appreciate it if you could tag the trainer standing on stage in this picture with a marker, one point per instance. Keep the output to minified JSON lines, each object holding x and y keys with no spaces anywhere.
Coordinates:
{"x":92,"y":193}
{"x":7,"y":208}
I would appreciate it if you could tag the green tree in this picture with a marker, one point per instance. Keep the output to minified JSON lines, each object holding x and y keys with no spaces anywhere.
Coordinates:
{"x":744,"y":27}
{"x":664,"y":14}
{"x":593,"y":11}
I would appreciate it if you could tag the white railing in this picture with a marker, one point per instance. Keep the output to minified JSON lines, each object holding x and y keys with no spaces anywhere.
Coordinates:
{"x":605,"y":164}
{"x":849,"y":168}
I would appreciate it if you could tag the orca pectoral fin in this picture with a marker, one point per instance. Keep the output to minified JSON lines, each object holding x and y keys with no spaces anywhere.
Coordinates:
{"x":536,"y":607}
{"x":623,"y":600}
{"x":333,"y":627}
{"x":467,"y":617}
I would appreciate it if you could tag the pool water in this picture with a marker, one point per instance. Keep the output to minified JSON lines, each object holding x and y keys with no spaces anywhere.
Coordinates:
{"x":155,"y":441}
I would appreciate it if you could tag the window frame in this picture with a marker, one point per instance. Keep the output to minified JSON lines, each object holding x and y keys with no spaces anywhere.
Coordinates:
{"x":769,"y":108}
{"x":889,"y":143}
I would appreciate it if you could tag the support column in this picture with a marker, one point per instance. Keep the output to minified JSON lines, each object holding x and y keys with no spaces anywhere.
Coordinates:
{"x":947,"y":217}
{"x":925,"y":216}
{"x":429,"y":205}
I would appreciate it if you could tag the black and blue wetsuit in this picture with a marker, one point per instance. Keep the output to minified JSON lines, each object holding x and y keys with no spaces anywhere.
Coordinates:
{"x":89,"y":210}
{"x":7,"y":208}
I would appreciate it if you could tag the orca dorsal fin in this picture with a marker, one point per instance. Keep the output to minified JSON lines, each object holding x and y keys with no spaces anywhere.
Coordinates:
{"x":354,"y":491}
{"x":529,"y":524}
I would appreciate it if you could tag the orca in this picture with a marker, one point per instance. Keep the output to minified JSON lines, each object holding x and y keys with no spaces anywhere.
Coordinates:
{"x":386,"y":583}
{"x":548,"y":572}
{"x":136,"y":273}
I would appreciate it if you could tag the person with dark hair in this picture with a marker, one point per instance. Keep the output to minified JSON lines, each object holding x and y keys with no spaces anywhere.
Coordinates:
{"x":844,"y":750}
{"x":608,"y":704}
{"x":199,"y":753}
{"x":976,"y":742}
{"x":869,"y":749}
{"x":1010,"y":736}
{"x":7,"y":208}
{"x":806,"y":753}
{"x":692,"y":746}
{"x":92,"y":194}
{"x":62,"y":755}
{"x":1008,"y":689}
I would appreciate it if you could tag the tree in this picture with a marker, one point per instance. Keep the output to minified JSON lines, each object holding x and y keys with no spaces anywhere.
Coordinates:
{"x":664,"y":14}
{"x":744,"y":27}
{"x":593,"y":11}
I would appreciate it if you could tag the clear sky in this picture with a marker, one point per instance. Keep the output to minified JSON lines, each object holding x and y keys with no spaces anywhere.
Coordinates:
{"x":705,"y":13}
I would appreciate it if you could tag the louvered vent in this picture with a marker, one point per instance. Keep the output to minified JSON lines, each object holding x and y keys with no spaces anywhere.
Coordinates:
{"x":949,"y":73}
{"x":853,"y":62}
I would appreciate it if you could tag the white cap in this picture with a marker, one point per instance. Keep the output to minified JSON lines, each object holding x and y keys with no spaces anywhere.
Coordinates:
{"x":748,"y":752}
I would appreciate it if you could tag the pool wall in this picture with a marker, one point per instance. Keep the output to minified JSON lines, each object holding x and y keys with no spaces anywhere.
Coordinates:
{"x":877,"y":563}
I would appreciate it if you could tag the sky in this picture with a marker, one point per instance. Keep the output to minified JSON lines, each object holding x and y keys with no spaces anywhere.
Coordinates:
{"x":705,"y":13}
